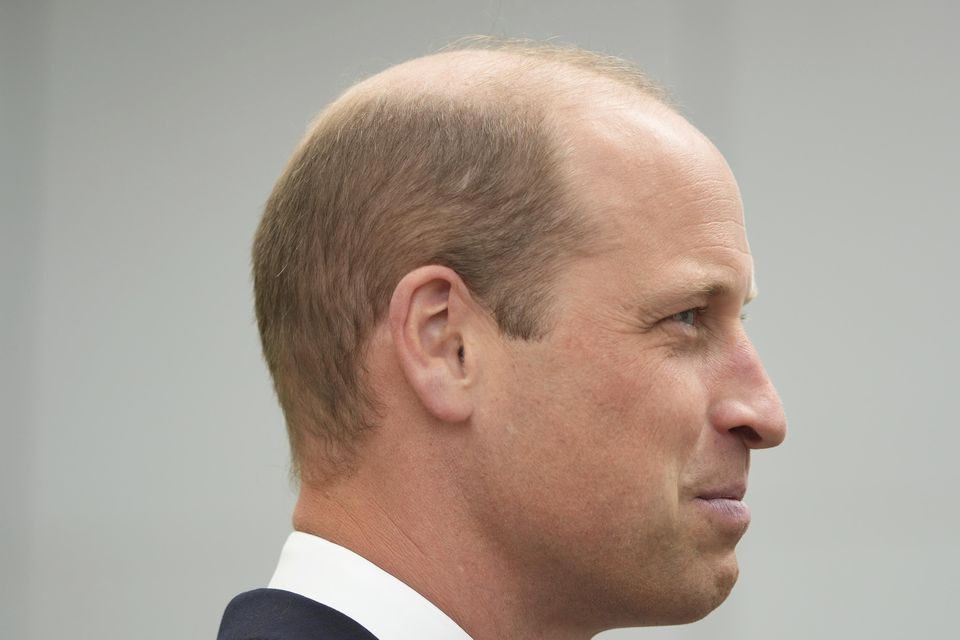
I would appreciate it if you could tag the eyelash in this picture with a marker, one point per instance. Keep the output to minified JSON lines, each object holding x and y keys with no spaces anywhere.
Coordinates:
{"x":699,"y":311}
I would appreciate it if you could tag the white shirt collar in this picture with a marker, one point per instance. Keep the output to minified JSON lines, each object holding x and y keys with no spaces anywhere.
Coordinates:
{"x":339,"y":578}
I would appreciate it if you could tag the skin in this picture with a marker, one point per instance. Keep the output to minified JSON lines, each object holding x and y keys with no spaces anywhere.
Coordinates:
{"x":556,"y":488}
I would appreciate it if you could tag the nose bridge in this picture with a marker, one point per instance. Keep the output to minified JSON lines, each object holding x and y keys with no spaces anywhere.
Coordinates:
{"x":746,"y":400}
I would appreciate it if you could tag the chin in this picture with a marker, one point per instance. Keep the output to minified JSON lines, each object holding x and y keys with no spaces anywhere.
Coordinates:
{"x":722,"y":584}
{"x":697,"y":601}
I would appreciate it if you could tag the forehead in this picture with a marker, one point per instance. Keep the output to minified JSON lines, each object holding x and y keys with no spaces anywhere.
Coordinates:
{"x":660,"y":196}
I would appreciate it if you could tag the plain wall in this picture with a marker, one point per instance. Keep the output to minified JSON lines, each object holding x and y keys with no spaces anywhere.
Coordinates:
{"x":144,"y":460}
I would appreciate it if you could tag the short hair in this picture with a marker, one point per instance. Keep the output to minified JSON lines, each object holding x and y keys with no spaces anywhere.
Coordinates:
{"x":388,"y":180}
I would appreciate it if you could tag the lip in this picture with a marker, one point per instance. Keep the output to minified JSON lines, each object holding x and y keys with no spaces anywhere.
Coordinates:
{"x":725,"y":508}
{"x":726,"y":513}
{"x":732,"y":491}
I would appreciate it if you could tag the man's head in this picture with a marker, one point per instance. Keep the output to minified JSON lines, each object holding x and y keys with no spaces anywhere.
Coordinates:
{"x":524,"y":272}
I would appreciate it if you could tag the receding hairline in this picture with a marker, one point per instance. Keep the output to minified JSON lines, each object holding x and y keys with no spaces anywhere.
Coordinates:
{"x":563,"y":86}
{"x":513,"y":70}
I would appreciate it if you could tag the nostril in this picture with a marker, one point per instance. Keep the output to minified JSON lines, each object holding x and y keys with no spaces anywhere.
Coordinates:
{"x":747,"y":433}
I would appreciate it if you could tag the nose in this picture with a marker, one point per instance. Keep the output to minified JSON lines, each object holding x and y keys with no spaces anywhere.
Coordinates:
{"x":747,"y":404}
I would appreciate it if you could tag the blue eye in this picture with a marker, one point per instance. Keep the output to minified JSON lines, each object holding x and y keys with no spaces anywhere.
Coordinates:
{"x":688,"y":317}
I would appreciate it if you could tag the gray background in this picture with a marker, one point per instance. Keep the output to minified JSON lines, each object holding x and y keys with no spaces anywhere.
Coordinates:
{"x":144,"y":462}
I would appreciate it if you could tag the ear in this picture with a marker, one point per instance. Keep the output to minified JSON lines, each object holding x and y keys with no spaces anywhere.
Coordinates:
{"x":432,"y":318}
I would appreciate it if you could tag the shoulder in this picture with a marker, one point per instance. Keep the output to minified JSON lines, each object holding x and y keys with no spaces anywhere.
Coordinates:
{"x":273,"y":614}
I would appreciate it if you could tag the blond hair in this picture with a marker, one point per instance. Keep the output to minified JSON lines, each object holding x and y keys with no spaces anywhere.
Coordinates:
{"x":391,"y":179}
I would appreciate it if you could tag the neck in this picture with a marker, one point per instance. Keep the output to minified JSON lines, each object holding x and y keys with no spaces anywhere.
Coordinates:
{"x":419,"y":529}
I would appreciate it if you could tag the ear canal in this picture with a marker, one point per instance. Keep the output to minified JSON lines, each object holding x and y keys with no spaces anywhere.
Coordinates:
{"x":460,"y":354}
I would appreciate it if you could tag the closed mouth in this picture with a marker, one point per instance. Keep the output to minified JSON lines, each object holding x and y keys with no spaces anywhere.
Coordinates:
{"x":725,"y":493}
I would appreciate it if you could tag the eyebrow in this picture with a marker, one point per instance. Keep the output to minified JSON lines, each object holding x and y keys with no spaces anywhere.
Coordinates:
{"x":716,"y":289}
{"x":694,"y":289}
{"x":710,"y":288}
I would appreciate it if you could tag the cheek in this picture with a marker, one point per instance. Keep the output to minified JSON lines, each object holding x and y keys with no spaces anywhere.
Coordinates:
{"x":652,"y":403}
{"x":616,"y":433}
{"x":594,"y":417}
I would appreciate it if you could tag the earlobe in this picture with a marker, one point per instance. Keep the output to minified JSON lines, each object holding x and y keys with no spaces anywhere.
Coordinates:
{"x":429,"y":324}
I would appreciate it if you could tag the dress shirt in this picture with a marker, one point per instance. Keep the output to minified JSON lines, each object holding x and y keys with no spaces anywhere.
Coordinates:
{"x":339,"y":578}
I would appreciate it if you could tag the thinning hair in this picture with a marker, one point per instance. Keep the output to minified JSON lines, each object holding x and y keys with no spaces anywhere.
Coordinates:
{"x":391,"y":177}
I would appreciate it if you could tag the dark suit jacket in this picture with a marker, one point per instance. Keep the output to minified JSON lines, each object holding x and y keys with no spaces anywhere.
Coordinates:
{"x":272,"y":614}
